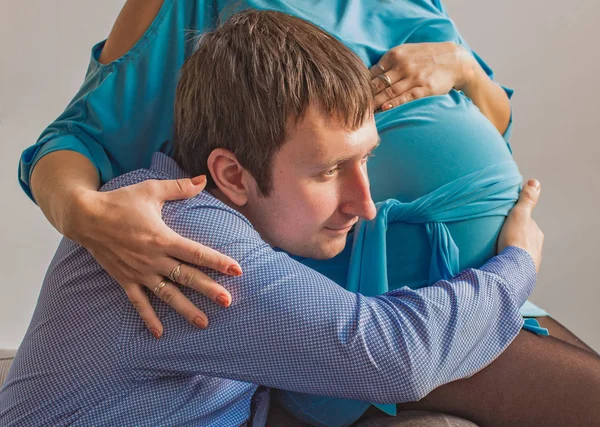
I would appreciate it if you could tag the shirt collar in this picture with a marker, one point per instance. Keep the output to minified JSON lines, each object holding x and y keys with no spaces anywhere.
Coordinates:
{"x":166,"y":165}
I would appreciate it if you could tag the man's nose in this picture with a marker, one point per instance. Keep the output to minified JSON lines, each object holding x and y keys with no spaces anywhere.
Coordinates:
{"x":358,"y":201}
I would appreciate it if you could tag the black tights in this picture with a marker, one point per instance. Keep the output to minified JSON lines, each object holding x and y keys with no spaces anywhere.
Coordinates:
{"x":537,"y":381}
{"x":559,"y":331}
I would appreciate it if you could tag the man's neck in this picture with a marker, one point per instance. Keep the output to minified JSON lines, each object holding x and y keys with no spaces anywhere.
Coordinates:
{"x":218,"y":194}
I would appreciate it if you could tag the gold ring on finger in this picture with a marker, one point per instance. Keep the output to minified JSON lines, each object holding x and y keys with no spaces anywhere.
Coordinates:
{"x":386,"y":79}
{"x":174,"y":275}
{"x":381,"y":67}
{"x":160,"y":286}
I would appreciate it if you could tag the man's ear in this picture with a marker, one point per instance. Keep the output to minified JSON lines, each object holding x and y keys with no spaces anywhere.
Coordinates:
{"x":229,"y":175}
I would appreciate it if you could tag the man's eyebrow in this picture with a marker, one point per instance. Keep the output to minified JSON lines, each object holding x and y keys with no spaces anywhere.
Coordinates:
{"x":343,"y":159}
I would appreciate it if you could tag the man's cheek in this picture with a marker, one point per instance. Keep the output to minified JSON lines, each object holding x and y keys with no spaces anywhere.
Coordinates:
{"x":322,"y":202}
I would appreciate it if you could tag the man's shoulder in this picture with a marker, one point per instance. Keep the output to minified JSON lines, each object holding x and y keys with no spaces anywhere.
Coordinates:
{"x":131,"y":178}
{"x":202,"y":218}
{"x":207,"y":220}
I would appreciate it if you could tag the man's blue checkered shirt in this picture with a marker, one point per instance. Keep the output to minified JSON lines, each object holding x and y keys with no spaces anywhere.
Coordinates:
{"x":87,"y":358}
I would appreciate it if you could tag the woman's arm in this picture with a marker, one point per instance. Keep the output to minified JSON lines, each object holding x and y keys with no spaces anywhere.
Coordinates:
{"x":489,"y":97}
{"x":111,"y":128}
{"x":123,"y":229}
{"x":57,"y":180}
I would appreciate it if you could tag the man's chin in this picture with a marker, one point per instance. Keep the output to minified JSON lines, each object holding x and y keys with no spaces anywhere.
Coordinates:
{"x":328,"y":249}
{"x":321,"y":247}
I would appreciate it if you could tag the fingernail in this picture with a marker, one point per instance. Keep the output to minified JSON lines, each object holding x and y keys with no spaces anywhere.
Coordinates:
{"x":533,"y":183}
{"x":200,"y":322}
{"x":234,"y":270}
{"x":155,"y":333}
{"x":222,"y":300}
{"x":387,"y":107}
{"x":199,"y":180}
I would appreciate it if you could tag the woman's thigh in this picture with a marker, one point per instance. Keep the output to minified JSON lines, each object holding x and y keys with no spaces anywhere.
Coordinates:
{"x":537,"y":381}
{"x":557,"y":330}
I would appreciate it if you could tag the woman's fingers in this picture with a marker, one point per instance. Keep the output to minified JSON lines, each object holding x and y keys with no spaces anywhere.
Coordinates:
{"x":382,"y":81}
{"x":376,"y":70}
{"x":141,"y":303}
{"x":177,"y":189}
{"x":410,"y":95}
{"x":392,"y":92}
{"x":193,"y":278}
{"x":168,"y":292}
{"x":386,"y":64}
{"x":194,"y":253}
{"x":435,"y":68}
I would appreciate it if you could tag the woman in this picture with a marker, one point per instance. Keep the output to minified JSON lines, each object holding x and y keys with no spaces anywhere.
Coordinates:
{"x":90,"y":149}
{"x":450,"y":130}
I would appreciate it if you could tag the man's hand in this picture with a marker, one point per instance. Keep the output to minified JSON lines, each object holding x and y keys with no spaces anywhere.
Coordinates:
{"x":520,"y":229}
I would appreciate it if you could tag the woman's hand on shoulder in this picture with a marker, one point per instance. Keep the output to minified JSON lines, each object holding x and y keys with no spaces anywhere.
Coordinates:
{"x":123,"y":229}
{"x":412,"y":71}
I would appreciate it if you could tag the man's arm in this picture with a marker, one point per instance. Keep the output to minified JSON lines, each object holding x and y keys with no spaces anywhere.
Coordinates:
{"x":290,"y":327}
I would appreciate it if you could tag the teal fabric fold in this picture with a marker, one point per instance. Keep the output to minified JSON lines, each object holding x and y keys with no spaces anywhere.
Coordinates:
{"x":532,"y":325}
{"x":491,"y":191}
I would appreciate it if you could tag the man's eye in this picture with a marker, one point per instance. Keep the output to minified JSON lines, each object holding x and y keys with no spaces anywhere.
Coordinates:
{"x":331,"y":172}
{"x":367,"y":156}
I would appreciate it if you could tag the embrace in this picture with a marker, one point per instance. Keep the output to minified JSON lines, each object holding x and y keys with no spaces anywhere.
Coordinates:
{"x":337,"y":244}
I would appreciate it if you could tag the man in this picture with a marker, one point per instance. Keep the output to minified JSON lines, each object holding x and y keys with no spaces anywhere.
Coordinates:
{"x":287,"y":165}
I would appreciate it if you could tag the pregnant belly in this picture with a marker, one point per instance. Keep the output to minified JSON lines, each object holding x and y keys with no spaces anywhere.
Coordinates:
{"x":424,"y":145}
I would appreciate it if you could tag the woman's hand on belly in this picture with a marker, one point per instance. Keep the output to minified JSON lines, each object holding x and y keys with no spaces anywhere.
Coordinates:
{"x":416,"y":70}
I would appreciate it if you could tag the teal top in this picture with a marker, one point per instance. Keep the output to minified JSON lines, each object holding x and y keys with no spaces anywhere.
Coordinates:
{"x":443,"y":176}
{"x":123,"y":112}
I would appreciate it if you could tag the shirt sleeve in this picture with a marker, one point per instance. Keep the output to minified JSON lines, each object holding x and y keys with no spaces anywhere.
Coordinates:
{"x":123,"y":112}
{"x":291,"y":328}
{"x":488,"y":70}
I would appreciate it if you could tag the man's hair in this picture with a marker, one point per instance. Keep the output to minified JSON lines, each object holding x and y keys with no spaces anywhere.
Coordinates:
{"x":250,"y":77}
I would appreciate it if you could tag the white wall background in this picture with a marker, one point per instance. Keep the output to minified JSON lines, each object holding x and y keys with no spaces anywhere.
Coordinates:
{"x":546,"y":49}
